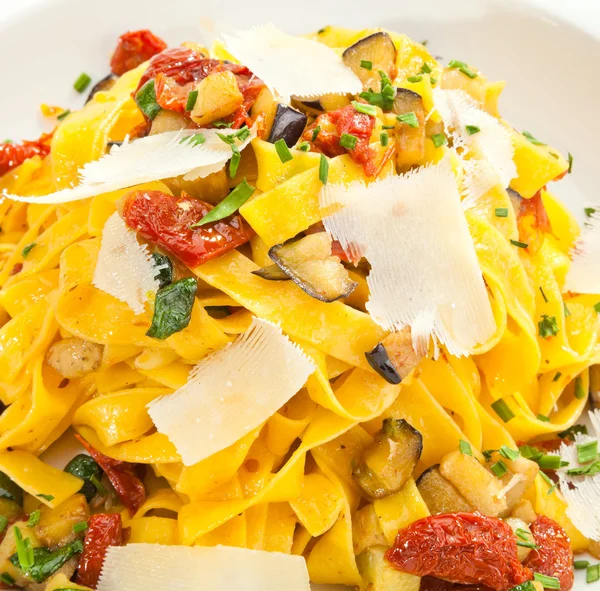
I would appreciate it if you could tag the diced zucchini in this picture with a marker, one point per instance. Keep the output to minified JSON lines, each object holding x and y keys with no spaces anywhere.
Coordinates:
{"x":8,"y":547}
{"x":366,"y":530}
{"x":212,"y":189}
{"x":439,"y":494}
{"x":218,"y":97}
{"x":379,"y":575}
{"x":55,"y":526}
{"x":10,"y":490}
{"x":524,"y":536}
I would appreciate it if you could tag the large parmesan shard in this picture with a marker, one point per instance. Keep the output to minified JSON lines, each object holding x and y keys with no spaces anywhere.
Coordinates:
{"x":292,"y":65}
{"x":193,"y":153}
{"x":424,"y":270}
{"x":125,"y":268}
{"x":140,"y":567}
{"x":232,"y":392}
{"x":584,"y":274}
{"x":582,"y":493}
{"x":483,"y":142}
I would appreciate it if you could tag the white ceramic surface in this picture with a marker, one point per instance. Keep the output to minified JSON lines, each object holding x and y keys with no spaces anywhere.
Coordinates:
{"x":550,"y":66}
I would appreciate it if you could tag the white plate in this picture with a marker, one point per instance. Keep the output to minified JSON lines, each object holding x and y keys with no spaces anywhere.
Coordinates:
{"x":550,"y":66}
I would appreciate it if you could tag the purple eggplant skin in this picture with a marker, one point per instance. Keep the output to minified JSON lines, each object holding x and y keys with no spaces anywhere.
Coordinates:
{"x":288,"y":125}
{"x":105,"y":84}
{"x":378,"y":359}
{"x":272,"y":273}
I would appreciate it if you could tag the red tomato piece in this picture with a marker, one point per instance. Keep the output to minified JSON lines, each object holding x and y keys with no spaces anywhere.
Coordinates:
{"x":127,"y":485}
{"x":12,"y":155}
{"x":165,"y":220}
{"x":134,"y":48}
{"x":554,"y":556}
{"x":104,"y":530}
{"x":465,"y":548}
{"x":532,"y":220}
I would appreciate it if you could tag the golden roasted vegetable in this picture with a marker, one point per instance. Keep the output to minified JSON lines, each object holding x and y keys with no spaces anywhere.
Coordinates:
{"x":525,"y":539}
{"x":595,"y":386}
{"x":10,"y":509}
{"x":73,"y":357}
{"x":55,"y":527}
{"x":169,"y":121}
{"x":366,"y":529}
{"x":394,"y":358}
{"x":410,"y":131}
{"x":524,"y":511}
{"x":439,"y":494}
{"x":476,"y":483}
{"x":218,"y":97}
{"x":212,"y":189}
{"x":594,"y":549}
{"x":370,"y":55}
{"x":379,"y":575}
{"x":386,"y":464}
{"x":8,"y":547}
{"x":519,"y":476}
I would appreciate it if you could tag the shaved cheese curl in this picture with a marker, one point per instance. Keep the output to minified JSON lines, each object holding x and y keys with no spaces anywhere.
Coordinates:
{"x":232,"y":392}
{"x":292,"y":65}
{"x":140,"y":567}
{"x":584,"y":273}
{"x":424,"y":270}
{"x":125,"y":269}
{"x":151,"y":158}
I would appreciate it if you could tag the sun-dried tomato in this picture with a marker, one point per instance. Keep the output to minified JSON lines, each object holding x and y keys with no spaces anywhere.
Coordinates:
{"x":554,"y":556}
{"x":176,"y":72}
{"x":165,"y":220}
{"x":12,"y":155}
{"x":465,"y":548}
{"x":104,"y":530}
{"x":434,"y":584}
{"x":349,"y":121}
{"x":127,"y":485}
{"x":532,"y":219}
{"x":134,"y":48}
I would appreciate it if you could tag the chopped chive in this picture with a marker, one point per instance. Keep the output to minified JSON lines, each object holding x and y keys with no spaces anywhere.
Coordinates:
{"x":283,"y":151}
{"x":96,"y":482}
{"x":234,"y":163}
{"x":425,"y":69}
{"x":439,"y":139}
{"x":523,"y":533}
{"x":384,"y":138}
{"x":465,"y":448}
{"x":388,"y":127}
{"x":433,"y":80}
{"x":145,"y":99}
{"x":499,"y":469}
{"x":524,"y":544}
{"x":548,"y":326}
{"x":472,"y":129}
{"x":191,"y":100}
{"x":501,"y":212}
{"x":502,"y":409}
{"x":195,"y":139}
{"x":570,"y":161}
{"x":323,"y":169}
{"x":580,"y":393}
{"x":566,"y":310}
{"x":530,"y":453}
{"x":589,"y":211}
{"x":304,"y":147}
{"x":34,"y":518}
{"x":315,"y":132}
{"x":24,"y":550}
{"x":543,"y":294}
{"x":548,"y":582}
{"x":348,"y":141}
{"x":366,"y":64}
{"x":587,"y":452}
{"x":508,"y":453}
{"x":532,"y":139}
{"x":487,"y":454}
{"x":6,"y":578}
{"x":366,"y":109}
{"x":80,"y":527}
{"x":415,"y":79}
{"x":587,"y":470}
{"x":581,"y":564}
{"x":7,"y":142}
{"x":410,"y":119}
{"x":222,"y":124}
{"x":27,"y":249}
{"x":597,"y":307}
{"x":519,"y":244}
{"x":543,"y":418}
{"x":82,"y":82}
{"x":3,"y":523}
{"x":46,"y":497}
{"x":321,"y":31}
{"x":556,"y":376}
{"x":229,"y":205}
{"x":572,"y":431}
{"x":592,"y":573}
{"x":463,"y":67}
{"x":63,"y":115}
{"x":550,"y":462}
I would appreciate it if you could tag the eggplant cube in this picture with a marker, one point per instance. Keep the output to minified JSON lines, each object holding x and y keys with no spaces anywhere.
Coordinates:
{"x":288,"y":125}
{"x":439,"y":494}
{"x":369,"y":55}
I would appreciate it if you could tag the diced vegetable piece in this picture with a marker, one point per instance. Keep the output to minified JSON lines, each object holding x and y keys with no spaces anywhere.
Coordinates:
{"x":477,"y":484}
{"x":86,"y":468}
{"x":521,"y":475}
{"x":55,"y":526}
{"x":10,"y":510}
{"x":218,"y":96}
{"x":379,"y":575}
{"x":47,"y":562}
{"x":103,"y":85}
{"x":266,"y":106}
{"x":211,"y":189}
{"x":386,"y":464}
{"x":410,"y":140}
{"x":594,"y":549}
{"x":272,"y":273}
{"x":595,"y":386}
{"x":168,"y":121}
{"x":525,"y":539}
{"x":439,"y":494}
{"x":377,"y":51}
{"x":173,"y":308}
{"x":74,"y":357}
{"x":400,"y":350}
{"x":524,"y":511}
{"x":8,"y":548}
{"x":379,"y":360}
{"x":288,"y":125}
{"x":366,"y":530}
{"x":311,"y":266}
{"x":9,"y":490}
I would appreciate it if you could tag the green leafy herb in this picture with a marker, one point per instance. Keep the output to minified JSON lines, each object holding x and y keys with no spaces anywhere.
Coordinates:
{"x":145,"y":99}
{"x":523,"y":533}
{"x":472,"y":129}
{"x":589,"y":211}
{"x":164,"y":269}
{"x":581,"y":564}
{"x":543,"y":418}
{"x":572,"y":431}
{"x":384,"y":138}
{"x":465,"y":448}
{"x":526,"y":586}
{"x":283,"y":151}
{"x":409,"y":118}
{"x":597,"y":307}
{"x":384,"y":98}
{"x":362,"y":108}
{"x":487,"y":454}
{"x":530,"y":453}
{"x":499,"y":469}
{"x":315,"y":132}
{"x":439,"y":139}
{"x":34,"y":518}
{"x":508,"y":453}
{"x":96,"y":482}
{"x":543,"y":294}
{"x":556,"y":376}
{"x":502,"y":409}
{"x":304,"y":147}
{"x":348,"y":141}
{"x":194,"y":139}
{"x":234,"y":163}
{"x":242,"y":134}
{"x":570,"y":161}
{"x":433,"y":80}
{"x":48,"y":498}
{"x":24,"y":556}
{"x":3,"y":523}
{"x":548,"y":326}
{"x":519,"y":244}
{"x":592,"y":573}
{"x":588,"y":470}
{"x":27,"y":249}
{"x":549,"y":481}
{"x":323,"y":169}
{"x":463,"y":67}
{"x":366,"y":64}
{"x":82,"y":82}
{"x":6,"y":578}
{"x":550,"y":462}
{"x":525,"y":544}
{"x":63,"y":115}
{"x":80,"y":527}
{"x":533,"y":140}
{"x":222,"y":124}
{"x":548,"y":582}
{"x":229,"y":205}
{"x":415,"y":79}
{"x":173,"y":308}
{"x":425,"y":69}
{"x":86,"y":468}
{"x":580,"y":393}
{"x":566,"y":310}
{"x":323,"y":30}
{"x":501,"y":212}
{"x":7,"y":141}
{"x":587,"y":452}
{"x":44,"y":562}
{"x":388,"y":127}
{"x":191,"y":100}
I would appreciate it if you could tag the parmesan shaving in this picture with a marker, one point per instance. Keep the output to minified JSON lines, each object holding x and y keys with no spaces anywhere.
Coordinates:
{"x":232,"y":392}
{"x":582,"y":493}
{"x":125,"y":269}
{"x":139,"y":567}
{"x":424,"y":270}
{"x":516,"y":479}
{"x":584,"y":273}
{"x":151,"y":158}
{"x":292,"y":65}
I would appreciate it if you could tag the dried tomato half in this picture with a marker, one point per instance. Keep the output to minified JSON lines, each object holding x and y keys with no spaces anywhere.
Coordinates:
{"x":104,"y":530}
{"x":532,"y":219}
{"x":12,"y":155}
{"x":165,"y":220}
{"x":127,"y":485}
{"x":465,"y":548}
{"x":554,"y":556}
{"x":134,"y":48}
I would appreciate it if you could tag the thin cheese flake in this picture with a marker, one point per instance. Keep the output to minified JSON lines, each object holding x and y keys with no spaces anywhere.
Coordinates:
{"x":487,"y":155}
{"x":424,"y":270}
{"x":582,"y":493}
{"x":140,"y":567}
{"x":151,"y":158}
{"x":125,"y":269}
{"x":584,"y":273}
{"x":232,"y":392}
{"x":292,"y":65}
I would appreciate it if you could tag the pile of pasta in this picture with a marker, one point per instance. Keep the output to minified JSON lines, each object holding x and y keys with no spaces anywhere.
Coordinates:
{"x":286,"y":486}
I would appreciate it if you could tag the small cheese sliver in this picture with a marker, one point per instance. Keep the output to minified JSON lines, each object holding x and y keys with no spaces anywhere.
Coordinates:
{"x":292,"y":65}
{"x":231,"y":392}
{"x":151,"y":158}
{"x":584,"y":273}
{"x":142,"y":567}
{"x":125,"y":269}
{"x":424,"y":270}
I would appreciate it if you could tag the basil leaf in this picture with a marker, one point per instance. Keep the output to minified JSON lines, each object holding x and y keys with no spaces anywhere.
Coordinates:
{"x":164,"y":268}
{"x":173,"y":308}
{"x":86,"y":468}
{"x":146,"y":100}
{"x":229,"y":205}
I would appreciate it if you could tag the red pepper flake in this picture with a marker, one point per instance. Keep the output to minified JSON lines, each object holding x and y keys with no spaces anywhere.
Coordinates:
{"x":133,"y":49}
{"x":13,"y":155}
{"x":18,"y":267}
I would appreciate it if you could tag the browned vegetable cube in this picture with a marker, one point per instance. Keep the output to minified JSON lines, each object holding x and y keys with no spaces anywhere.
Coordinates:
{"x":55,"y":527}
{"x":218,"y":97}
{"x":520,"y":476}
{"x":379,"y":575}
{"x":366,"y":529}
{"x":439,"y":494}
